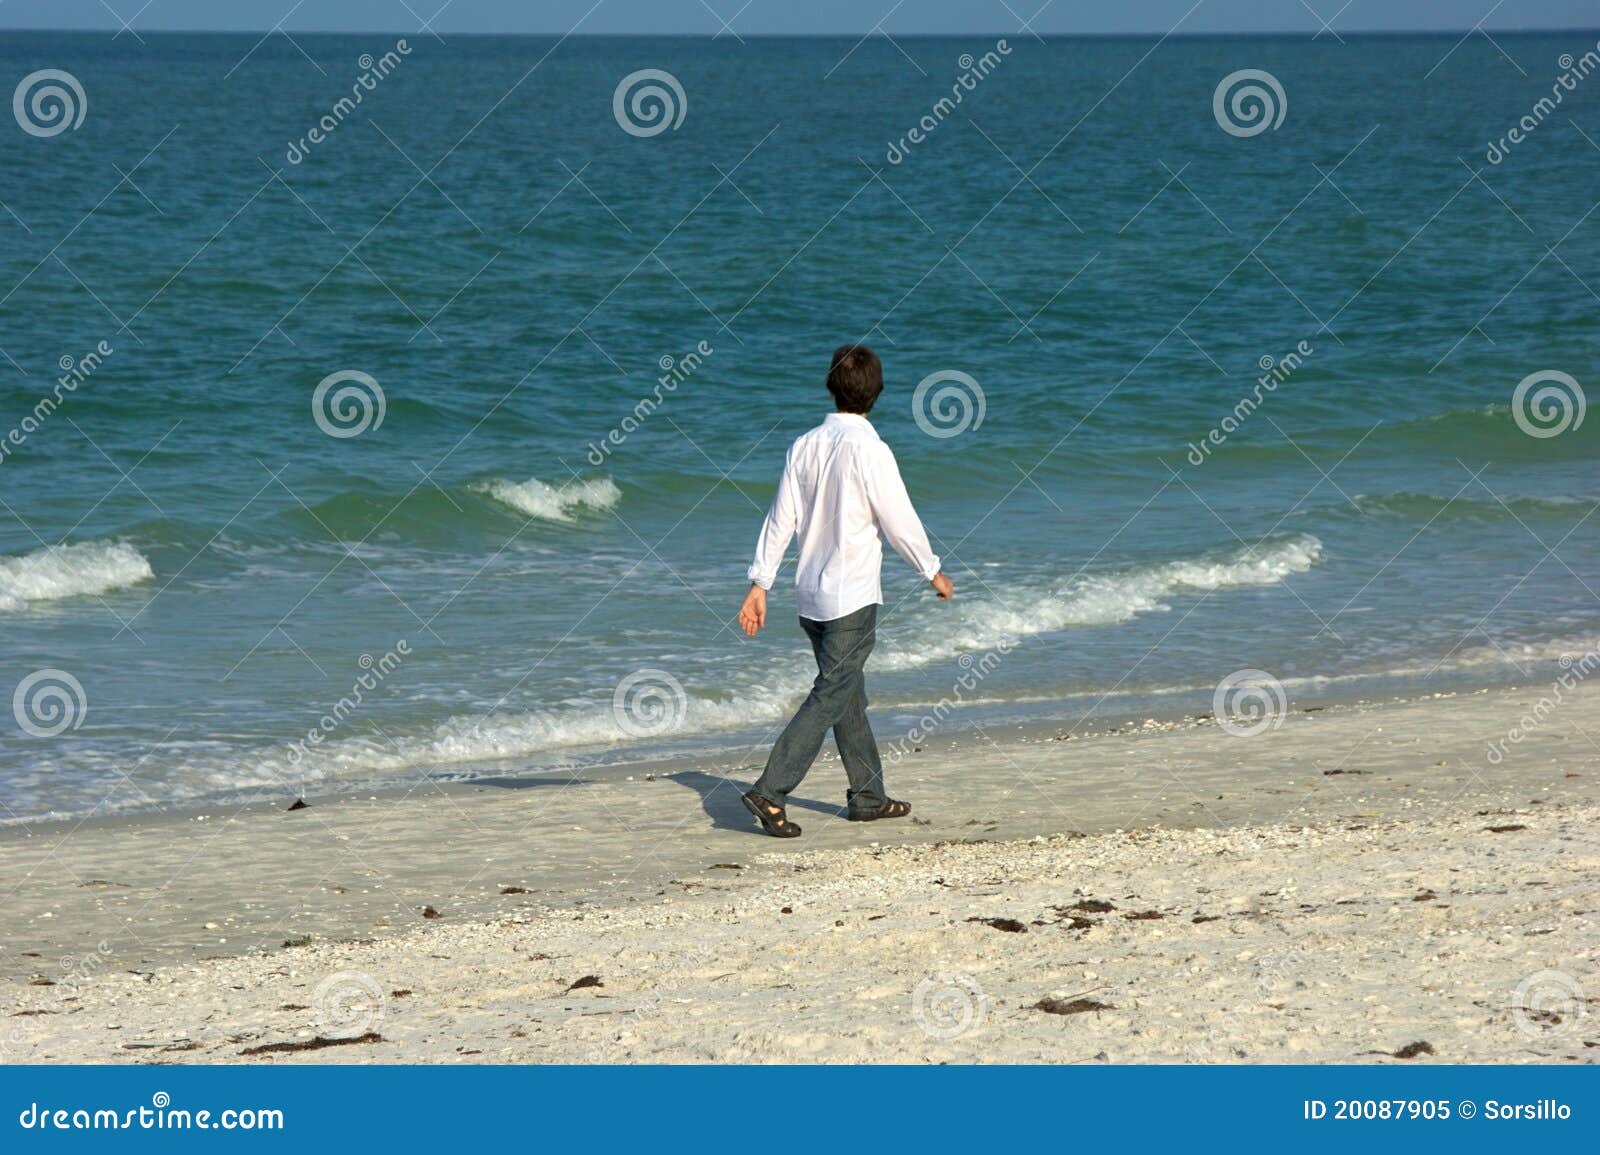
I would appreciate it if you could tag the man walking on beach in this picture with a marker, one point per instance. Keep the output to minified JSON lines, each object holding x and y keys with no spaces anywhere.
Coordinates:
{"x":840,"y":490}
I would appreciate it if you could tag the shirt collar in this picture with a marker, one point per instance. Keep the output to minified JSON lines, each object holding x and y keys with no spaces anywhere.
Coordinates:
{"x":856,"y":419}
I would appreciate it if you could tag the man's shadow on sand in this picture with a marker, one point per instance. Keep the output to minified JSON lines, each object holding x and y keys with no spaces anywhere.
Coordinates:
{"x":719,"y":798}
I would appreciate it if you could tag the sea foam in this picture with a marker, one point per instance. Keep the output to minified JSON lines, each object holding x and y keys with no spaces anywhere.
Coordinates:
{"x":553,"y":502}
{"x":771,"y":693}
{"x":64,"y":571}
{"x":1007,"y":616}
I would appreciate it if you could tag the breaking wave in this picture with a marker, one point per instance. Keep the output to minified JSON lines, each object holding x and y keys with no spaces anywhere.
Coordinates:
{"x":65,"y":571}
{"x":553,"y":502}
{"x":1106,"y":599}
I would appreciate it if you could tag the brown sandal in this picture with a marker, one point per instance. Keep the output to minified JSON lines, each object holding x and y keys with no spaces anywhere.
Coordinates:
{"x":890,"y":809}
{"x":772,"y":817}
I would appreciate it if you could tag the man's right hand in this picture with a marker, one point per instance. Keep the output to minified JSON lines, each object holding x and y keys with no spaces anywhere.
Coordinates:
{"x":943,"y":587}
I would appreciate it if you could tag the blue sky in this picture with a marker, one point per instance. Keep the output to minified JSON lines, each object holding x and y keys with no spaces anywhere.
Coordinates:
{"x":759,"y":17}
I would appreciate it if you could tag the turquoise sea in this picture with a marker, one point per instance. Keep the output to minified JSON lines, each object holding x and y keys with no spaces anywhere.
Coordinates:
{"x":592,"y":346}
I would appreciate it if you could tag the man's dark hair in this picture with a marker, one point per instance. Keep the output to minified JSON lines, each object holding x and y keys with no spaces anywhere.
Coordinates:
{"x":855,"y":378}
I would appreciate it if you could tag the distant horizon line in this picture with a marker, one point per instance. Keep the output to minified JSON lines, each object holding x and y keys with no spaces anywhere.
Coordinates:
{"x":1171,"y":35}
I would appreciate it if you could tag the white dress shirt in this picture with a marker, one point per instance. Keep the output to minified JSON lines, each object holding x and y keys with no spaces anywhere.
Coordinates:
{"x":840,"y":489}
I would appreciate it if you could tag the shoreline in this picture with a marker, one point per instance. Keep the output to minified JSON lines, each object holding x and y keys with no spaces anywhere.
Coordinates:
{"x":1036,"y":718}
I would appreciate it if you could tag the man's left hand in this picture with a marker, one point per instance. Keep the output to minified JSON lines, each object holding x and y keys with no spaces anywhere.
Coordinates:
{"x":753,"y":614}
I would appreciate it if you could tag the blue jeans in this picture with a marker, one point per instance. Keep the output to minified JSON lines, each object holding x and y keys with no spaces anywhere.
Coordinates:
{"x":838,"y":701}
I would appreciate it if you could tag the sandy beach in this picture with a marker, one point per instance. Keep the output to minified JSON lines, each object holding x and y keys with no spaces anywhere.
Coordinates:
{"x":1361,"y":884}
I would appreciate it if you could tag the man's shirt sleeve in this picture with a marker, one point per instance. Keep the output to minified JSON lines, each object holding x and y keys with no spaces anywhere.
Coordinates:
{"x":891,"y":507}
{"x":776,"y":530}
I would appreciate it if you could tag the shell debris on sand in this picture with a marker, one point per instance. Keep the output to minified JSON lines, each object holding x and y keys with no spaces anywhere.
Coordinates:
{"x":1273,"y":956}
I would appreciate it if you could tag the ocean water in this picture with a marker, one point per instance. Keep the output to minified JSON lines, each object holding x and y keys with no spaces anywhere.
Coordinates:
{"x":512,"y":565}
